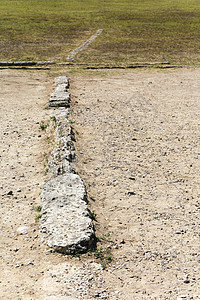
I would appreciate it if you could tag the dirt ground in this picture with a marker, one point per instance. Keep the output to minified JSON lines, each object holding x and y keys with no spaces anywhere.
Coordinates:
{"x":138,"y":152}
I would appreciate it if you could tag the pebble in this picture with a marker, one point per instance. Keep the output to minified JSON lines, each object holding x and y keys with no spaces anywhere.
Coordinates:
{"x":15,"y":249}
{"x":22,"y":230}
{"x":131,"y":193}
{"x":10,"y":193}
{"x":186,"y":281}
{"x":48,"y":252}
{"x":29,"y":263}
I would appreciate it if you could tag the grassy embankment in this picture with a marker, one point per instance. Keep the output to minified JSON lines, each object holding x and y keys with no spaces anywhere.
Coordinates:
{"x":133,"y":30}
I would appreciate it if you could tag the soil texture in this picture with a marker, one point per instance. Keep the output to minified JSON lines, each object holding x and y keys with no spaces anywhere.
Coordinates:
{"x":138,"y":152}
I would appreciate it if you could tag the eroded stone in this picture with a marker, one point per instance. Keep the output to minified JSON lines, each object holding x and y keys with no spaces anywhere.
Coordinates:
{"x":61,"y":80}
{"x":66,"y":225}
{"x":59,"y":99}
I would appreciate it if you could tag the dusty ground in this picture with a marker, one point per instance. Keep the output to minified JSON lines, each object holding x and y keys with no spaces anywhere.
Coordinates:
{"x":138,"y":151}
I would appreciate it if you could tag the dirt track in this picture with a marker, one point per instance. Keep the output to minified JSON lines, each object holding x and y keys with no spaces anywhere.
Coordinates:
{"x":138,"y":152}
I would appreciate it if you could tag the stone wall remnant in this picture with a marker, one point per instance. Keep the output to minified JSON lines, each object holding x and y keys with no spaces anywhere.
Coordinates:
{"x":66,"y":224}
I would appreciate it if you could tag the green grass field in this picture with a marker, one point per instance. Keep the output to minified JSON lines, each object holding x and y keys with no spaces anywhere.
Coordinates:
{"x":133,"y":30}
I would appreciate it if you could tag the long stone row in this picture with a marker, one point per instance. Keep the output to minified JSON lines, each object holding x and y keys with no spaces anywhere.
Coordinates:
{"x":82,"y":47}
{"x":66,"y":225}
{"x":26,"y":63}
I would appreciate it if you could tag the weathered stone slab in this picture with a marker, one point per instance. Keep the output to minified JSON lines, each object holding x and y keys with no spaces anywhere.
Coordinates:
{"x":61,"y":158}
{"x":59,"y":163}
{"x":61,"y":88}
{"x":61,"y":80}
{"x":48,"y":62}
{"x":61,"y":96}
{"x":66,"y":225}
{"x":59,"y":99}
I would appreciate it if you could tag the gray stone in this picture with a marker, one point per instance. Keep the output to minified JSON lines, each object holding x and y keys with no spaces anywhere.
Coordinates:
{"x":58,"y":164}
{"x":61,"y":96}
{"x":59,"y":99}
{"x":66,"y":225}
{"x":61,"y":88}
{"x":22,"y":230}
{"x":61,"y":158}
{"x":61,"y":80}
{"x":48,"y":62}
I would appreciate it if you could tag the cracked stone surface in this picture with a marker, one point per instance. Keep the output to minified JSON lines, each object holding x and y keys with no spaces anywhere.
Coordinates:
{"x":63,"y":155}
{"x":59,"y":99}
{"x":61,"y":96}
{"x":66,"y":225}
{"x":62,"y":80}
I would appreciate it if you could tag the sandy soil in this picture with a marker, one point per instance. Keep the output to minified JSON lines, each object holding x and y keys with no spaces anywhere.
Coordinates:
{"x":137,"y":143}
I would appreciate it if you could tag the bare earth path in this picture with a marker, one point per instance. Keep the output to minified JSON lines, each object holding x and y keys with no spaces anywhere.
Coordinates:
{"x":138,"y":151}
{"x":25,"y":269}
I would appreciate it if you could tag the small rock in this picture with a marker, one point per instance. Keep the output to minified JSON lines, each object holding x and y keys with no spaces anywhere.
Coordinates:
{"x":16,"y":249}
{"x":22,"y":230}
{"x":96,"y":295}
{"x":186,"y":281}
{"x":10,"y":193}
{"x":48,"y":252}
{"x":30,"y":263}
{"x":130,"y":193}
